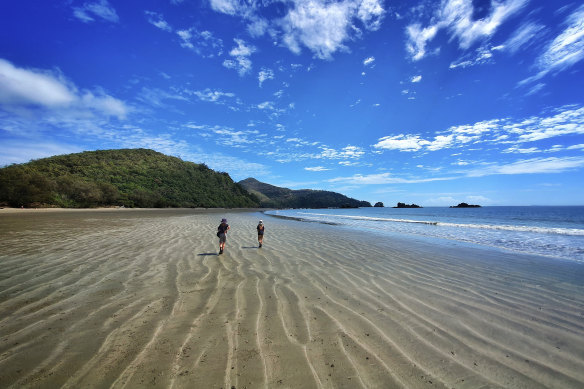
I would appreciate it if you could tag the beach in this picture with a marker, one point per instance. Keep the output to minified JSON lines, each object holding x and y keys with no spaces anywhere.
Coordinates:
{"x":139,"y":298}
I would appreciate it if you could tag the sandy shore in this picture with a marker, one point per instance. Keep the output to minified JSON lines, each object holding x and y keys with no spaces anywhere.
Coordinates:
{"x":116,"y":298}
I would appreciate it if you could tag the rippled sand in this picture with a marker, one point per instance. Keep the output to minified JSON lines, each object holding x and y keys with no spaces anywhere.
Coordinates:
{"x":126,"y":298}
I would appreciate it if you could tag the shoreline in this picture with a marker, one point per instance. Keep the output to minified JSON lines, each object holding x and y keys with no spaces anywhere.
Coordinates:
{"x":95,"y":299}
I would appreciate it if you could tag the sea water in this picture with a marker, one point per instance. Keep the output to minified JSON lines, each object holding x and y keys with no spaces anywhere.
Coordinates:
{"x":549,"y":231}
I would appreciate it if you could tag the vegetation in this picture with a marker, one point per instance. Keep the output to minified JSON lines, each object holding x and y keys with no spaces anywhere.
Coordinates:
{"x":379,"y":204}
{"x":129,"y":177}
{"x":275,"y":197}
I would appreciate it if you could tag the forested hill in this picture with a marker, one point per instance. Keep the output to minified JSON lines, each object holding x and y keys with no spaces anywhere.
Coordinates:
{"x":129,"y":177}
{"x":276,"y":197}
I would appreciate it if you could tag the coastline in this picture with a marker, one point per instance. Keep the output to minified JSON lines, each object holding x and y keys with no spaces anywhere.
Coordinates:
{"x":140,"y":298}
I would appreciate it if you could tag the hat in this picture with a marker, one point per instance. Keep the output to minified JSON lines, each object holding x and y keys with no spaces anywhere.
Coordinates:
{"x":261,"y":222}
{"x":223,"y":220}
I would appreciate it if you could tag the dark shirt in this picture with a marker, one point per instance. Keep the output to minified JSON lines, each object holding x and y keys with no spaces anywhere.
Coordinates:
{"x":260,"y":229}
{"x":223,"y":228}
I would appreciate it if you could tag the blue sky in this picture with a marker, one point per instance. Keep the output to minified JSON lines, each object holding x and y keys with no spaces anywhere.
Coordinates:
{"x":426,"y":102}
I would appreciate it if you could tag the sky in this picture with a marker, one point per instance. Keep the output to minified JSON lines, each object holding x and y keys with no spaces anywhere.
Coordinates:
{"x":415,"y":101}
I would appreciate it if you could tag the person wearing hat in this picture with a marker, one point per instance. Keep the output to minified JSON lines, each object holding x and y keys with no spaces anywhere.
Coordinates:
{"x":222,"y":234}
{"x":260,"y":232}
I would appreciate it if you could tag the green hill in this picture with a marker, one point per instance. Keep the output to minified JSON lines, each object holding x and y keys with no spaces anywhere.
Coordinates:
{"x":275,"y":197}
{"x":129,"y":177}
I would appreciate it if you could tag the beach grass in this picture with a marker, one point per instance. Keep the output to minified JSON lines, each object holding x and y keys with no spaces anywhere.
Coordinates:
{"x":140,"y":298}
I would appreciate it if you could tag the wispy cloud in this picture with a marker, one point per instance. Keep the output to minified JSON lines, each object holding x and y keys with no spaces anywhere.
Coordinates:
{"x":157,"y":20}
{"x":457,"y":17}
{"x":568,"y":47}
{"x":551,"y":165}
{"x":265,"y":74}
{"x":383,"y":178}
{"x":241,"y":53}
{"x":100,"y":9}
{"x":228,"y":136}
{"x":203,"y":43}
{"x":481,"y":56}
{"x":529,"y":166}
{"x":564,"y":51}
{"x":564,"y":121}
{"x":316,"y":169}
{"x":523,"y":37}
{"x":158,"y":98}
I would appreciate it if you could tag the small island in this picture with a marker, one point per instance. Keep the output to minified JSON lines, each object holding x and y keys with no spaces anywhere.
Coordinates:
{"x":465,"y":205}
{"x":379,"y":204}
{"x":404,"y":205}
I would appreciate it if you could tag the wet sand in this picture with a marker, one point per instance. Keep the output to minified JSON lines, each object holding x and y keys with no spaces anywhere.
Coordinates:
{"x":140,"y":298}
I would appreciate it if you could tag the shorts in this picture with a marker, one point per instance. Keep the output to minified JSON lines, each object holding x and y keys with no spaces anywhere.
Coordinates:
{"x":222,"y":238}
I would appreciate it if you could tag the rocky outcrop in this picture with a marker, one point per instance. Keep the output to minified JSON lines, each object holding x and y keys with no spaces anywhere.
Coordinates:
{"x":465,"y":205}
{"x":404,"y":205}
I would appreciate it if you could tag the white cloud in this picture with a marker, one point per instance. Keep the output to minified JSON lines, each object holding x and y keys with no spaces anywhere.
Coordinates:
{"x":158,"y":21}
{"x":156,"y":97}
{"x":371,"y":13}
{"x":401,"y":142}
{"x":320,"y":25}
{"x":564,"y":121}
{"x":456,"y":17}
{"x":241,"y":53}
{"x":563,"y":52}
{"x":265,"y":74}
{"x":316,"y":169}
{"x":266,"y":105}
{"x":383,"y":178}
{"x":22,"y":86}
{"x":228,"y":136}
{"x":525,"y":36}
{"x":368,"y":61}
{"x":212,"y":96}
{"x":232,"y":7}
{"x":26,"y":89}
{"x":418,"y":37}
{"x":348,"y":152}
{"x":203,"y":43}
{"x":530,"y":166}
{"x":415,"y":79}
{"x":568,"y":47}
{"x":101,"y":9}
{"x":482,"y":55}
{"x":258,"y":27}
{"x":518,"y":150}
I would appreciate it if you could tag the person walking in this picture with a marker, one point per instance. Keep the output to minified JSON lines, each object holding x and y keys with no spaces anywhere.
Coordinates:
{"x":260,"y":229}
{"x":222,"y":234}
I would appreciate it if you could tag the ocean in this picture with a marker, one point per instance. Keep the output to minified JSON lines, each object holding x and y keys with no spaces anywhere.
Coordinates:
{"x":551,"y":231}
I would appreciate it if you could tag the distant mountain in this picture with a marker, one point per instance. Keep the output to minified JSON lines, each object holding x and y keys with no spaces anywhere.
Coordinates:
{"x":130,"y":177}
{"x":275,"y":197}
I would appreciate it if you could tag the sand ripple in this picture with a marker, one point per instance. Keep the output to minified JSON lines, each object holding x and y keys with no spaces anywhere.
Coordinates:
{"x":134,"y":299}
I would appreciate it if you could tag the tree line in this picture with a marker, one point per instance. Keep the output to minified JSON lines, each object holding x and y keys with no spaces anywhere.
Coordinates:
{"x":127,"y":177}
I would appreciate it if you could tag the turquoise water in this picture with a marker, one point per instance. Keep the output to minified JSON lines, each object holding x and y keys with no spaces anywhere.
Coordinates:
{"x":549,"y":231}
